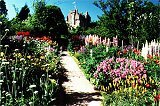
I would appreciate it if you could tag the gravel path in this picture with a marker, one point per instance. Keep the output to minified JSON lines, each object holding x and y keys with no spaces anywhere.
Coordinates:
{"x":79,"y":91}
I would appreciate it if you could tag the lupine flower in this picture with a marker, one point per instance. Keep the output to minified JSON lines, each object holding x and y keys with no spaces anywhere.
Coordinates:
{"x":96,"y":40}
{"x":150,"y":49}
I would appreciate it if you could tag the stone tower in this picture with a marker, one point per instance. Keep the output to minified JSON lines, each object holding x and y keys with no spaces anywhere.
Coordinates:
{"x":75,"y":19}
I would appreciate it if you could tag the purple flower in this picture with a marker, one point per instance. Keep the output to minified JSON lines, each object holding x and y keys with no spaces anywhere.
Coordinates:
{"x":19,"y":38}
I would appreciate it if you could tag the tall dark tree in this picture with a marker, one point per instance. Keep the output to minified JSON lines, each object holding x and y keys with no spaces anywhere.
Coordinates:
{"x":3,"y":19}
{"x":24,"y":13}
{"x":3,"y":10}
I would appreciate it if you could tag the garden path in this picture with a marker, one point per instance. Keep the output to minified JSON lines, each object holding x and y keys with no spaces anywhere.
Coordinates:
{"x":79,"y":91}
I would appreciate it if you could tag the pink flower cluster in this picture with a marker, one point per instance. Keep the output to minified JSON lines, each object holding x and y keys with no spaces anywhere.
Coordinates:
{"x":120,"y":68}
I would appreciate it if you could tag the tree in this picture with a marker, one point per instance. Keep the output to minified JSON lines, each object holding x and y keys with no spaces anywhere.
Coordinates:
{"x":130,"y":20}
{"x":3,"y":10}
{"x":3,"y":19}
{"x":24,"y":13}
{"x":51,"y":20}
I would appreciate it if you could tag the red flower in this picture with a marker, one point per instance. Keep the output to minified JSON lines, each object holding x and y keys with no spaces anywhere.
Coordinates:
{"x":124,"y":51}
{"x":136,"y":51}
{"x":156,"y":61}
{"x":133,"y":85}
{"x":157,"y":98}
{"x":149,"y":56}
{"x":119,"y":52}
{"x":44,"y":38}
{"x":148,"y":85}
{"x":27,"y":33}
{"x":23,"y":33}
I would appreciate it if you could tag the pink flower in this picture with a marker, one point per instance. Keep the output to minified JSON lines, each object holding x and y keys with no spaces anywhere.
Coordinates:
{"x":116,"y":80}
{"x":144,"y":76}
{"x":95,"y":75}
{"x":98,"y":68}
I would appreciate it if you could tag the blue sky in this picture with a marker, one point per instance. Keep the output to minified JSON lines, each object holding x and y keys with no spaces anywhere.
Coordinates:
{"x":65,"y":5}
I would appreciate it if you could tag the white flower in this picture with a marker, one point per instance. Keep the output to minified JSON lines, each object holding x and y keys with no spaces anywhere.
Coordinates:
{"x":3,"y":60}
{"x":6,"y":30}
{"x":35,"y":92}
{"x":3,"y":63}
{"x":22,"y":59}
{"x":13,"y":82}
{"x":1,"y":73}
{"x":12,"y":68}
{"x":0,"y":23}
{"x":20,"y":69}
{"x":16,"y":68}
{"x":30,"y":103}
{"x":53,"y":99}
{"x":1,"y":81}
{"x":8,"y":94}
{"x":32,"y":86}
{"x":16,"y":49}
{"x":26,"y":68}
{"x":6,"y":46}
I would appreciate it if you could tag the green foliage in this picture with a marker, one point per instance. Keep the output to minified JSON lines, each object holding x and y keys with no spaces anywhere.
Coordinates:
{"x":50,"y":19}
{"x":21,"y":21}
{"x":136,"y":88}
{"x":129,"y":20}
{"x":89,"y":63}
{"x":125,"y":97}
{"x":46,"y":20}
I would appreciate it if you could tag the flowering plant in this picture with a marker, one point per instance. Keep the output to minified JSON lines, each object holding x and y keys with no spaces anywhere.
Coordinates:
{"x":119,"y":68}
{"x":23,"y":33}
{"x":27,"y":72}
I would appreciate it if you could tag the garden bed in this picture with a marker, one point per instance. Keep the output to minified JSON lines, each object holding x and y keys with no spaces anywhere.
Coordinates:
{"x":29,"y":71}
{"x":124,"y":76}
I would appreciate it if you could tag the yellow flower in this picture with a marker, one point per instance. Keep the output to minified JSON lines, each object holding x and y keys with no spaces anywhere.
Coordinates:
{"x":42,"y":57}
{"x":19,"y":55}
{"x":125,"y":89}
{"x":29,"y":57}
{"x":2,"y":54}
{"x":153,"y":81}
{"x":103,"y":88}
{"x":130,"y":89}
{"x":110,"y":85}
{"x":53,"y":81}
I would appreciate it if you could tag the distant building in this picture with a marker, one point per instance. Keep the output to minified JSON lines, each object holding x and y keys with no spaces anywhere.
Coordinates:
{"x":75,"y":19}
